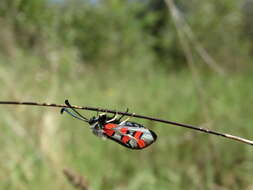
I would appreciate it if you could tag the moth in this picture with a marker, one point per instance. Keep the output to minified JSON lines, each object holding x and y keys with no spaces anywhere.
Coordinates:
{"x":127,"y":133}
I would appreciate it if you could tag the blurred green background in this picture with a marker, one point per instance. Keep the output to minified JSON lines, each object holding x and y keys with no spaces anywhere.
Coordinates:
{"x":187,"y":61}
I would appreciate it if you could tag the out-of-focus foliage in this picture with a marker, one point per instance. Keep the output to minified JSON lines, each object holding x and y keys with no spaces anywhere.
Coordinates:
{"x":114,"y":31}
{"x":125,"y":53}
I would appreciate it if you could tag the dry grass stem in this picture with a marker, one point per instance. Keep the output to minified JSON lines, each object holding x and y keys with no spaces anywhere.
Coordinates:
{"x":76,"y":179}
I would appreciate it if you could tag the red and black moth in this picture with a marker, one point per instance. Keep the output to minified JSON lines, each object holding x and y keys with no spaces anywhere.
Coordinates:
{"x":129,"y":134}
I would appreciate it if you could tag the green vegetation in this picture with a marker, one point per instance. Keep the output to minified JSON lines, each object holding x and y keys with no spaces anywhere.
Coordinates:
{"x":110,"y":54}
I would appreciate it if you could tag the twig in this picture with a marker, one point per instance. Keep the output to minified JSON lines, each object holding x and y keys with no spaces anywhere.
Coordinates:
{"x":204,"y":130}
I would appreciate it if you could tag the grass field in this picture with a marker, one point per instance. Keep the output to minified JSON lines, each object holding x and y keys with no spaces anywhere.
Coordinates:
{"x":38,"y":143}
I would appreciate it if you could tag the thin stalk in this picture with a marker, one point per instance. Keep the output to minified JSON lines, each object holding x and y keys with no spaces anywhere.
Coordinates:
{"x":204,"y":130}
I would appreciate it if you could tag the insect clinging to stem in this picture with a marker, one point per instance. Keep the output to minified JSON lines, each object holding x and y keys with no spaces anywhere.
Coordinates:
{"x":129,"y":134}
{"x":105,"y":126}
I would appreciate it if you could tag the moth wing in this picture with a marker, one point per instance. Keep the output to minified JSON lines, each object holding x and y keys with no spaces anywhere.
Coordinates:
{"x":132,"y":136}
{"x":140,"y":137}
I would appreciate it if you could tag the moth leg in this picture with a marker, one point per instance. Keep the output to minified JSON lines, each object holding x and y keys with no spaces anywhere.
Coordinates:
{"x":121,"y":123}
{"x":123,"y":114}
{"x":115,"y":115}
{"x":110,"y":118}
{"x":113,"y":119}
{"x":105,"y":112}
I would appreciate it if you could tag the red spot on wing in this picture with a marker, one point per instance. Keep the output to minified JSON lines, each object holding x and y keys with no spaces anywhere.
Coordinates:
{"x":108,"y":129}
{"x":138,"y":134}
{"x":109,"y":132}
{"x":141,"y":143}
{"x":110,"y":125}
{"x":125,"y":139}
{"x":124,"y":130}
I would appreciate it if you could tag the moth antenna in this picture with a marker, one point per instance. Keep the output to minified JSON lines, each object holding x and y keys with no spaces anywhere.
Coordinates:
{"x":73,"y":115}
{"x":68,"y":104}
